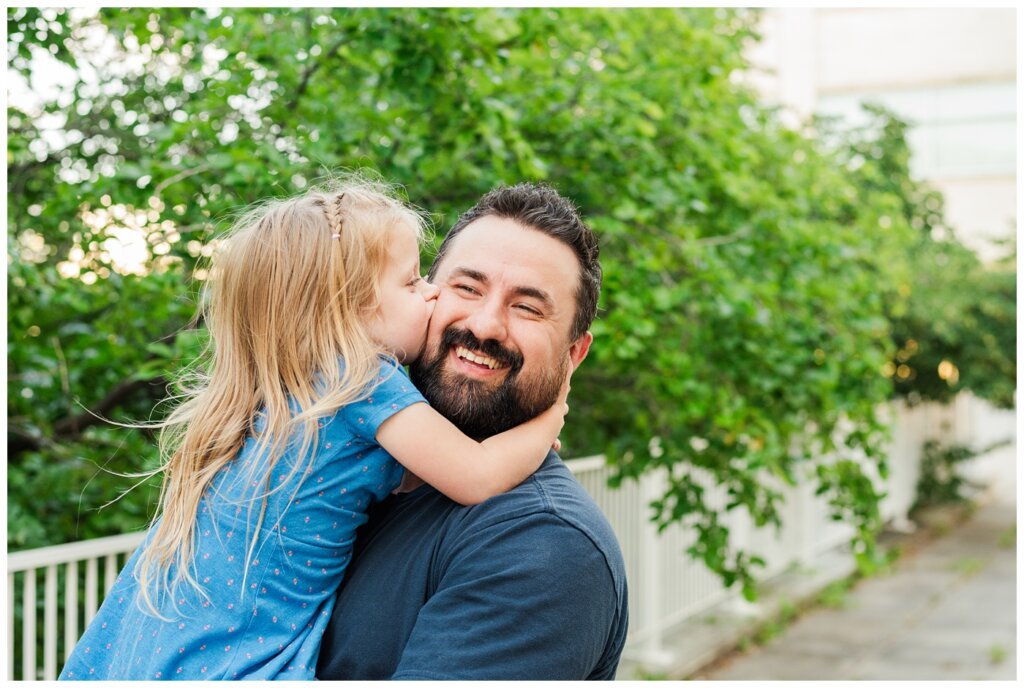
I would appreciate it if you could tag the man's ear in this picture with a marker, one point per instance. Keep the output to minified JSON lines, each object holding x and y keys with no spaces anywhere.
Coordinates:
{"x":578,"y":350}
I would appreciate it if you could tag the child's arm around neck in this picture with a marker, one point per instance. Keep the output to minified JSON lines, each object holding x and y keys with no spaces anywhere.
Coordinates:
{"x":467,"y":471}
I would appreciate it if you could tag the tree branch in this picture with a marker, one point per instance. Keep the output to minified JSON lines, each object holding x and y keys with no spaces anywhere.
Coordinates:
{"x":184,"y":174}
{"x":311,"y":70}
{"x":72,"y":426}
{"x":722,"y":239}
{"x":19,"y":440}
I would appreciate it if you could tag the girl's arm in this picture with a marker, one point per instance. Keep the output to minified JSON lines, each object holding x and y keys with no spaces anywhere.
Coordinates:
{"x":467,"y":471}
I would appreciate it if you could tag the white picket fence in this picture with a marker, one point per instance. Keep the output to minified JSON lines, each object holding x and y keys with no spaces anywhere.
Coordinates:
{"x":65,"y":568}
{"x":666,"y":586}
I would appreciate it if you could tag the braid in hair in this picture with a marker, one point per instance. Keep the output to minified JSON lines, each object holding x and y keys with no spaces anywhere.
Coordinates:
{"x":332,"y":207}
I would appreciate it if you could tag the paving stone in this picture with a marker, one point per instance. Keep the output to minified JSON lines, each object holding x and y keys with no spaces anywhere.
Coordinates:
{"x":830,"y":634}
{"x":774,"y":666}
{"x":889,"y":669}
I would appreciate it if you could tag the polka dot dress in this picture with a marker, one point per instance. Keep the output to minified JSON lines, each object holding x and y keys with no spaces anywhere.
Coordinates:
{"x":256,"y":614}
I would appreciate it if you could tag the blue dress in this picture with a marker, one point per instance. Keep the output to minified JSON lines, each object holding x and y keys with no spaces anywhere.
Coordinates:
{"x":266,"y":621}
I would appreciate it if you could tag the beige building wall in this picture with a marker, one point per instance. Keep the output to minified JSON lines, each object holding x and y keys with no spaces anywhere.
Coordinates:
{"x":950,"y":72}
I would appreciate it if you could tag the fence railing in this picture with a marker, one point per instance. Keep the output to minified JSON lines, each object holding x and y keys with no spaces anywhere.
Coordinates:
{"x":666,"y":585}
{"x":72,"y":584}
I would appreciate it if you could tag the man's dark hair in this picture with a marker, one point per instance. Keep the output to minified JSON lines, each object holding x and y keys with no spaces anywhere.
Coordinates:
{"x":540,"y":207}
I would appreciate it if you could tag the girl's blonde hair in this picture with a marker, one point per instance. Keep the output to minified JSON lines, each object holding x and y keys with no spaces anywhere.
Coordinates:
{"x":290,"y":289}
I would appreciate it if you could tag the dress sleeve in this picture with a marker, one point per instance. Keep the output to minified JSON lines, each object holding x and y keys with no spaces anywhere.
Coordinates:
{"x":394,"y":392}
{"x":531,"y":598}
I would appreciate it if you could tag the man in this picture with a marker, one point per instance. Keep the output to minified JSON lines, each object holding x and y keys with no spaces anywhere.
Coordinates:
{"x":529,"y":584}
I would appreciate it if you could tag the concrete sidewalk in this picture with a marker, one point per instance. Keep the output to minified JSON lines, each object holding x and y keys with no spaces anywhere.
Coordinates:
{"x":947,"y":612}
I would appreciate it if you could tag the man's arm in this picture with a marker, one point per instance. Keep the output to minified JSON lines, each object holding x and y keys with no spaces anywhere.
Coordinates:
{"x":526,"y":598}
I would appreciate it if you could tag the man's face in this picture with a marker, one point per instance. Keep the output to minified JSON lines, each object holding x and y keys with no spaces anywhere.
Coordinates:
{"x":498,"y":346}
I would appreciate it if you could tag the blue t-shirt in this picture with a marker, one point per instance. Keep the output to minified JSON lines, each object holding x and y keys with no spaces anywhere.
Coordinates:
{"x":265,"y":622}
{"x":529,"y":584}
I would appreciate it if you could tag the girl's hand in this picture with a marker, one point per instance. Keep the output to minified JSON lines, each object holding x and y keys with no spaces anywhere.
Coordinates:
{"x":563,"y":393}
{"x":561,"y":405}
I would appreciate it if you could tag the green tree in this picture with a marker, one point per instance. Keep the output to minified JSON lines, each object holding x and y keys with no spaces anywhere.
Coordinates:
{"x":750,"y":270}
{"x":957,"y":330}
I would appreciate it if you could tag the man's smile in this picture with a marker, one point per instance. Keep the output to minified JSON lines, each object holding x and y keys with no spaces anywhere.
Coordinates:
{"x":475,"y":364}
{"x":481,"y":359}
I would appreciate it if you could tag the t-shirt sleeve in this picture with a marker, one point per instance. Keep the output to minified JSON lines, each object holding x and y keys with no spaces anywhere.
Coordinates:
{"x":530,"y":598}
{"x":394,"y":392}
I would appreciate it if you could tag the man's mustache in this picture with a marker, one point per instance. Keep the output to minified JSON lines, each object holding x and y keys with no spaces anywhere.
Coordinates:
{"x":457,"y":336}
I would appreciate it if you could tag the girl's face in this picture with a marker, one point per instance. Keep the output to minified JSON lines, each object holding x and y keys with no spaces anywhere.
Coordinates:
{"x":406,"y":300}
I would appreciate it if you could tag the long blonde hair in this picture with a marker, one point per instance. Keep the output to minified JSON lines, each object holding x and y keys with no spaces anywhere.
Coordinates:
{"x":289,"y":292}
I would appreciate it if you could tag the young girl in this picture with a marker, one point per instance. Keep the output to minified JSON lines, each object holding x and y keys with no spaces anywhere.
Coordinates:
{"x":272,"y":461}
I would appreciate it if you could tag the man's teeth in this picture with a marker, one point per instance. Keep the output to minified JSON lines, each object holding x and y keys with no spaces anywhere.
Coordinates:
{"x":462,"y":352}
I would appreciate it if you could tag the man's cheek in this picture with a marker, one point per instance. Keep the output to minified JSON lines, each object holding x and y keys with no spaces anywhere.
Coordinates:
{"x":435,"y":332}
{"x":431,"y":341}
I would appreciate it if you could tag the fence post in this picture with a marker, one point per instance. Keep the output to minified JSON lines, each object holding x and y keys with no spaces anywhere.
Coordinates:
{"x":652,"y":652}
{"x":11,"y":597}
{"x":70,"y":608}
{"x":28,"y":628}
{"x":91,"y":580}
{"x":963,"y":427}
{"x":50,"y":624}
{"x":806,"y":523}
{"x":741,"y":535}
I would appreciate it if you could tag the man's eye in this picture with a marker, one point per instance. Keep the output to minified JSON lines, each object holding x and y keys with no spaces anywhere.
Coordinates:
{"x":465,"y":288}
{"x":528,"y":309}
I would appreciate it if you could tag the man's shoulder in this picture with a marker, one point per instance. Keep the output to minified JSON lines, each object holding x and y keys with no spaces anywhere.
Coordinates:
{"x":552,"y":489}
{"x":549,"y":504}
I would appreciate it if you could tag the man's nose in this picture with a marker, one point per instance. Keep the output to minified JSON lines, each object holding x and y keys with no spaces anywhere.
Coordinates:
{"x":487,"y":321}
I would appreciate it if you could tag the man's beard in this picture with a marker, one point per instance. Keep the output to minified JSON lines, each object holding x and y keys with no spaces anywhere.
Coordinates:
{"x":474,"y":407}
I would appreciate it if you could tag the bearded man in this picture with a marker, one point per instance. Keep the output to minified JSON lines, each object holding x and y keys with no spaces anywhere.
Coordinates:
{"x":529,"y":584}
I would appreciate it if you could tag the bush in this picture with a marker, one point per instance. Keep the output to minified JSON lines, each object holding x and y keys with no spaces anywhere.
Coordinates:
{"x":941,"y":481}
{"x":957,"y":328}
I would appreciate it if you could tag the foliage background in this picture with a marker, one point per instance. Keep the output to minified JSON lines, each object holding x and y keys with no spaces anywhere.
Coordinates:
{"x":763,"y":285}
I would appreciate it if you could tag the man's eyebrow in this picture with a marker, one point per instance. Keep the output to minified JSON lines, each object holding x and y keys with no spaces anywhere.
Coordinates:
{"x":530,"y":292}
{"x":534,"y":293}
{"x":470,"y":273}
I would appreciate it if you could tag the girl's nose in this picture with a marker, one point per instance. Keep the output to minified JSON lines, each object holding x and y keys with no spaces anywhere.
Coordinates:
{"x":429,"y":291}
